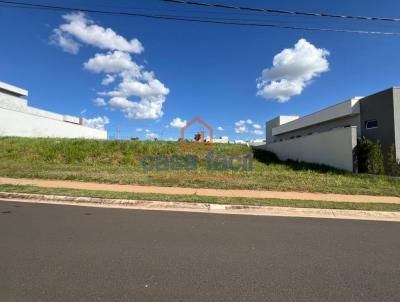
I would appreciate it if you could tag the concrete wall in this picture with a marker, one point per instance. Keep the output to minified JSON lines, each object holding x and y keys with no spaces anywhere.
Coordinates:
{"x":333,"y":148}
{"x":379,"y":107}
{"x":19,"y":119}
{"x":14,"y":123}
{"x":10,"y":102}
{"x":396,"y":107}
{"x":12,"y":90}
{"x":271,"y":124}
{"x":346,"y":121}
{"x":275,"y":122}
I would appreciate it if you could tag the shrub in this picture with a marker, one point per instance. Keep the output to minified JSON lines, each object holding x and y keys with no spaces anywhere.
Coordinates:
{"x":369,"y":157}
{"x":375,"y":162}
{"x":362,"y":150}
{"x":393,"y":165}
{"x":197,"y":137}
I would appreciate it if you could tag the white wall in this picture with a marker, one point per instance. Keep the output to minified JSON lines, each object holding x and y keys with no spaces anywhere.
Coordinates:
{"x":333,"y":148}
{"x":19,"y":119}
{"x":349,"y":107}
{"x":396,"y":109}
{"x":21,"y":105}
{"x":14,"y":123}
{"x":221,"y":140}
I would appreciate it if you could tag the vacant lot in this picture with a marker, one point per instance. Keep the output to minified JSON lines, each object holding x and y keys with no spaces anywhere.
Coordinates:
{"x":120,"y":162}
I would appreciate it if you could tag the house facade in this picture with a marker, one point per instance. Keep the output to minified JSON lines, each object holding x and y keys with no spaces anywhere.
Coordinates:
{"x":330,"y":135}
{"x":17,"y":118}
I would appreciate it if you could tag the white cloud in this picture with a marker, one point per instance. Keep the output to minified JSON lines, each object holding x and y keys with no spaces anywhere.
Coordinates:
{"x":145,"y":109}
{"x":120,"y":103}
{"x":220,"y":128}
{"x":149,"y":90}
{"x":177,"y":123}
{"x":100,"y":102}
{"x":135,"y":83}
{"x":240,"y":123}
{"x":139,"y":94}
{"x":281,"y":90}
{"x":151,"y":135}
{"x":97,"y":122}
{"x":148,"y":87}
{"x":242,"y":127}
{"x":139,"y":129}
{"x":112,"y":62}
{"x":79,"y":27}
{"x":241,"y":130}
{"x":292,"y":70}
{"x":108,"y":80}
{"x":66,"y":43}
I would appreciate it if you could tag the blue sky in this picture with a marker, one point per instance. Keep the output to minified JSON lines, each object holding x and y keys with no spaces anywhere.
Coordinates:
{"x":209,"y":70}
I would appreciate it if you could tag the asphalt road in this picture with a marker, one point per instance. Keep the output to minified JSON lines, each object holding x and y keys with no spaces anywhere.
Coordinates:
{"x":70,"y":253}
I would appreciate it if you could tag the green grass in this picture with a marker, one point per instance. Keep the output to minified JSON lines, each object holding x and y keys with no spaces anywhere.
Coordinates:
{"x":203,"y":199}
{"x":120,"y":162}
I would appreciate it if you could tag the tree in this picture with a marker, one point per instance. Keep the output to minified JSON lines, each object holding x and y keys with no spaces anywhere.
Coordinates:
{"x":197,"y":137}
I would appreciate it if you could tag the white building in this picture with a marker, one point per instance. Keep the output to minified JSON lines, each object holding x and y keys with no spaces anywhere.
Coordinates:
{"x":240,"y":141}
{"x":19,"y":119}
{"x":221,"y":140}
{"x":257,"y":142}
{"x":329,"y":136}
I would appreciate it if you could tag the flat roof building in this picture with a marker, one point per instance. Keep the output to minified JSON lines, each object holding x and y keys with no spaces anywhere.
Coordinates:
{"x":17,"y":118}
{"x":329,"y":136}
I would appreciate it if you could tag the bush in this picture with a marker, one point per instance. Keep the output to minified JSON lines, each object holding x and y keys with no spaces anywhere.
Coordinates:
{"x":393,"y":165}
{"x":369,"y":157}
{"x":375,"y":162}
{"x":362,"y":151}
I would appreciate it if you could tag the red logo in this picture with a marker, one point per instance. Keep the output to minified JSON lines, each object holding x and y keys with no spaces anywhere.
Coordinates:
{"x":199,"y":139}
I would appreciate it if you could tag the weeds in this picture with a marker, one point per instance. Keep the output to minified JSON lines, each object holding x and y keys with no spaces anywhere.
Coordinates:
{"x":119,"y":162}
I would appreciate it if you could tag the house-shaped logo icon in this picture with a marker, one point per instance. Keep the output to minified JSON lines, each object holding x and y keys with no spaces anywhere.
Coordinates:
{"x":199,"y":139}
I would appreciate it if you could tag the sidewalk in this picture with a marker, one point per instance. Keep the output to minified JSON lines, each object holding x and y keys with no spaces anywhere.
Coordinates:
{"x":200,"y":191}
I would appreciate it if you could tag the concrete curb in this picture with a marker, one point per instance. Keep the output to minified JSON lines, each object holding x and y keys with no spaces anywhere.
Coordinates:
{"x":201,"y":207}
{"x":70,"y":184}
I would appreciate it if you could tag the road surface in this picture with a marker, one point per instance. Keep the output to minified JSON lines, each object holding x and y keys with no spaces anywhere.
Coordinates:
{"x":72,"y":253}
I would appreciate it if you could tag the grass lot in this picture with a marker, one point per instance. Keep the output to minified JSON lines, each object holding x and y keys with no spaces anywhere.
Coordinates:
{"x":120,"y":162}
{"x":204,"y":199}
